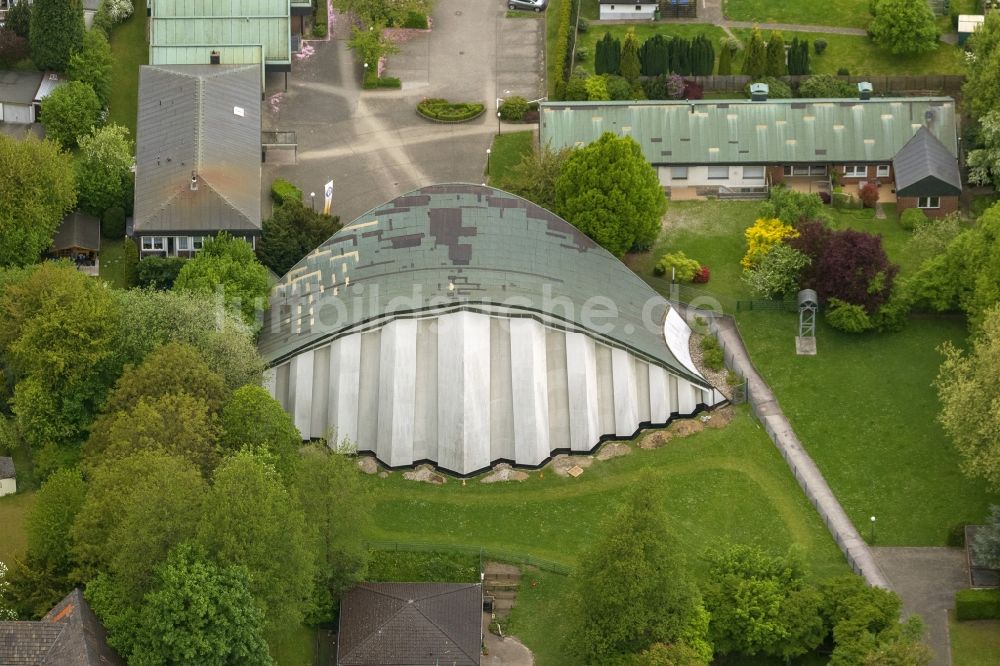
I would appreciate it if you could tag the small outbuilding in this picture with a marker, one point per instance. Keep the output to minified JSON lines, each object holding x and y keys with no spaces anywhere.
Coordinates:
{"x":418,"y":624}
{"x":967,"y":24}
{"x":8,"y":476}
{"x":17,"y":96}
{"x":927,"y":175}
{"x":78,"y":239}
{"x":616,"y":10}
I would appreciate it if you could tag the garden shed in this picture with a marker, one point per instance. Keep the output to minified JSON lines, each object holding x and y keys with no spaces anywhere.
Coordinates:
{"x":8,"y":476}
{"x":78,"y":239}
{"x":617,"y":10}
{"x":967,"y":24}
{"x":927,"y":175}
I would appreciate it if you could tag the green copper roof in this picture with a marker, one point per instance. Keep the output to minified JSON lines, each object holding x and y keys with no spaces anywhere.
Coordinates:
{"x":221,"y":23}
{"x":458,"y":246}
{"x":745,"y":132}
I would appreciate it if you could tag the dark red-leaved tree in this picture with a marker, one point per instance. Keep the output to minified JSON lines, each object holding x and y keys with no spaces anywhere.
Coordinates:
{"x":849,"y":265}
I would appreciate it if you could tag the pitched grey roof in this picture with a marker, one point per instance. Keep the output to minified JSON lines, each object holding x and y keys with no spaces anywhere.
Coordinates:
{"x":925,"y":167}
{"x":69,"y":635}
{"x":78,"y":230}
{"x":411,"y":624}
{"x":202,"y":120}
{"x":7,"y":468}
{"x":18,"y":87}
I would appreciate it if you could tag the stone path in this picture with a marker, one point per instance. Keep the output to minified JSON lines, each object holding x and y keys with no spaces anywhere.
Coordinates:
{"x":927,"y":579}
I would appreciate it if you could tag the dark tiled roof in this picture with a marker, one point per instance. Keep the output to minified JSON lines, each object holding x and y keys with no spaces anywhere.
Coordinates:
{"x":925,"y":167}
{"x":411,"y":624}
{"x":78,"y":230}
{"x":203,"y":120}
{"x":69,"y":635}
{"x":7,"y":468}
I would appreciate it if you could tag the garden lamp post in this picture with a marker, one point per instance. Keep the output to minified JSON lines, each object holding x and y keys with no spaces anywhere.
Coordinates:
{"x":498,"y":121}
{"x":312,"y":195}
{"x":873,"y":530}
{"x":488,"y":151}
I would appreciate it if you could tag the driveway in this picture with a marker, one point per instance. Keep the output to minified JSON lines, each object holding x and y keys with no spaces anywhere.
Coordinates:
{"x":371,"y":143}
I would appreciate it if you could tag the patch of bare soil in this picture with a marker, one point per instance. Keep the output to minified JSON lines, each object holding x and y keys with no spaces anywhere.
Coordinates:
{"x":718,"y":418}
{"x":504,"y":472}
{"x":613,"y":450}
{"x":562,"y":463}
{"x":655,"y":439}
{"x":685,"y":427}
{"x":425,"y":474}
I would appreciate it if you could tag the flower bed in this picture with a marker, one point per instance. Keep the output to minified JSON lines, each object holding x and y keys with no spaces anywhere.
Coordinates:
{"x":444,"y":111}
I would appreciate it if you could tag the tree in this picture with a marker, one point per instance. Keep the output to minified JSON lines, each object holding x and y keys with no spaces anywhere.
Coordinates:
{"x":730,"y":47}
{"x":904,"y":26}
{"x":674,"y":654}
{"x":13,"y":48}
{"x":777,"y":273}
{"x":227,"y":264}
{"x":755,"y":58}
{"x":292,"y":232}
{"x":371,"y":46}
{"x":535,"y":176}
{"x":597,"y":89}
{"x":619,"y":213}
{"x":630,"y":58}
{"x":136,"y":510}
{"x":776,"y":64}
{"x":981,"y":91}
{"x":607,"y":59}
{"x":984,"y":162}
{"x":19,"y":18}
{"x":968,"y":414}
{"x":92,"y":64}
{"x":199,"y":613}
{"x":632,"y":587}
{"x":250,"y":519}
{"x":759,"y":604}
{"x":103,"y":168}
{"x":986,"y":545}
{"x":930,"y":239}
{"x":338,"y":513}
{"x":56,"y":31}
{"x":69,"y":112}
{"x":251,"y":417}
{"x":37,"y":190}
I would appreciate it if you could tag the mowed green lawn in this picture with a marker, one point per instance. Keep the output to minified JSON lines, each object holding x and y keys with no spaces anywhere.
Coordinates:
{"x":507,"y":150}
{"x":13,"y":511}
{"x":845,"y":13}
{"x":112,"y":268}
{"x":974,"y":643}
{"x":130,"y":51}
{"x":723,"y":485}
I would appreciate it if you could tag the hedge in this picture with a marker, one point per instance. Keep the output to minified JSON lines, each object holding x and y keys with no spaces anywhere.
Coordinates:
{"x":372,"y":80}
{"x":977,"y":605}
{"x":563,"y":37}
{"x":415,"y":21}
{"x":449,"y":112}
{"x":282,"y":191}
{"x":320,"y":18}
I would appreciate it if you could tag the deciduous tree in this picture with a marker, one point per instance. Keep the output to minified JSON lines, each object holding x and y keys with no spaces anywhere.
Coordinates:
{"x":37,"y":190}
{"x":69,"y":112}
{"x":229,"y":265}
{"x":620,"y":212}
{"x":777,"y":273}
{"x":904,"y":26}
{"x":103,"y":168}
{"x":56,"y":30}
{"x":984,"y":162}
{"x":535,"y":176}
{"x":293,"y":231}
{"x":981,"y":91}
{"x":91,"y":64}
{"x":251,"y":417}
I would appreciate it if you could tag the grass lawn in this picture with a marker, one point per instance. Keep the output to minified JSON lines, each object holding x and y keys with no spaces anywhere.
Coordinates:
{"x":507,"y":151}
{"x":297,"y":648}
{"x":643,"y":31}
{"x":129,"y":49}
{"x":112,"y":269}
{"x":974,"y":643}
{"x":846,"y":13}
{"x":726,"y":484}
{"x":860,"y":56}
{"x":13,"y":510}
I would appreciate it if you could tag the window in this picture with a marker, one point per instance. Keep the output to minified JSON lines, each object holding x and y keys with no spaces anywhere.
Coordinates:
{"x":753,"y":173}
{"x":718,"y":172}
{"x":638,"y":8}
{"x":855,"y":171}
{"x":928,"y":202}
{"x":197,"y":241}
{"x":152,"y":243}
{"x":183,"y":243}
{"x":805,"y":170}
{"x":882,"y":171}
{"x":678,"y":173}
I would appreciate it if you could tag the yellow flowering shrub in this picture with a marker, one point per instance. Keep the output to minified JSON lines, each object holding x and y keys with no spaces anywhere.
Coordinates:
{"x":762,"y":236}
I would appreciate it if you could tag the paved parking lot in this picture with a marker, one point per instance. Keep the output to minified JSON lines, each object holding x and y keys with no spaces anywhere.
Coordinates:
{"x":372,"y":144}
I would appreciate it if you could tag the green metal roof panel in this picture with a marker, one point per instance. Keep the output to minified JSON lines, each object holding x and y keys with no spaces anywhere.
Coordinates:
{"x":745,"y":132}
{"x":230,"y":8}
{"x":271,"y":33}
{"x":461,"y":246}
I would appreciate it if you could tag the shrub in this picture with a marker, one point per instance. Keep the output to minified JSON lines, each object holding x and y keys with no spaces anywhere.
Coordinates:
{"x":956,"y":536}
{"x":678,"y":266}
{"x":13,"y":48}
{"x":119,"y":10}
{"x":819,"y":46}
{"x":582,"y":25}
{"x":388,"y":82}
{"x":113,"y":223}
{"x":102,"y":19}
{"x":618,"y":87}
{"x":762,"y":236}
{"x":159,"y":272}
{"x":711,"y":353}
{"x":575,"y":89}
{"x":597,"y":88}
{"x":369,"y":80}
{"x":130,"y":261}
{"x":701,"y":276}
{"x":513,"y":108}
{"x":320,"y":18}
{"x":777,"y":273}
{"x":283,"y":191}
{"x":415,"y":21}
{"x":977,"y":605}
{"x":912,"y":218}
{"x":582,"y":55}
{"x":451,"y":112}
{"x":692,"y":90}
{"x":776,"y":88}
{"x":825,"y":198}
{"x":19,"y":18}
{"x":826,"y":86}
{"x":843,"y":71}
{"x":734,"y":378}
{"x":847,"y":317}
{"x":791,"y":206}
{"x":869,"y":195}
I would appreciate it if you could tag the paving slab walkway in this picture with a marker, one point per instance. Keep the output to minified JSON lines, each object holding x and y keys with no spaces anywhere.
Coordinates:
{"x":927,"y":579}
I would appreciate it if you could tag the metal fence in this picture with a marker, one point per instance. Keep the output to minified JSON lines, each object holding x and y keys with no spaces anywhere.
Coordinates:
{"x":483,"y":552}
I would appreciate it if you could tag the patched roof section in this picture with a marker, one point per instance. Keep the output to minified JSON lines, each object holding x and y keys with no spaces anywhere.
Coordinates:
{"x":411,"y":623}
{"x":924,"y":167}
{"x":201,"y":122}
{"x":746,"y":132}
{"x":459,"y":246}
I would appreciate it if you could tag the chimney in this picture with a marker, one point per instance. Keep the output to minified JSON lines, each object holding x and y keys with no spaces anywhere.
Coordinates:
{"x":864,"y":90}
{"x":758,"y":92}
{"x":214,"y":58}
{"x":194,"y":181}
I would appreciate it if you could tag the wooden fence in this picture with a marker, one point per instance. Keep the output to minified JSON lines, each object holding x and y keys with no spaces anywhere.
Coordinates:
{"x":882,"y":84}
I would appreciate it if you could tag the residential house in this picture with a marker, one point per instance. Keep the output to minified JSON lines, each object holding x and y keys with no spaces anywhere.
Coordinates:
{"x":908,"y":147}
{"x":418,"y":624}
{"x":8,"y":476}
{"x":69,"y":635}
{"x":198,"y":157}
